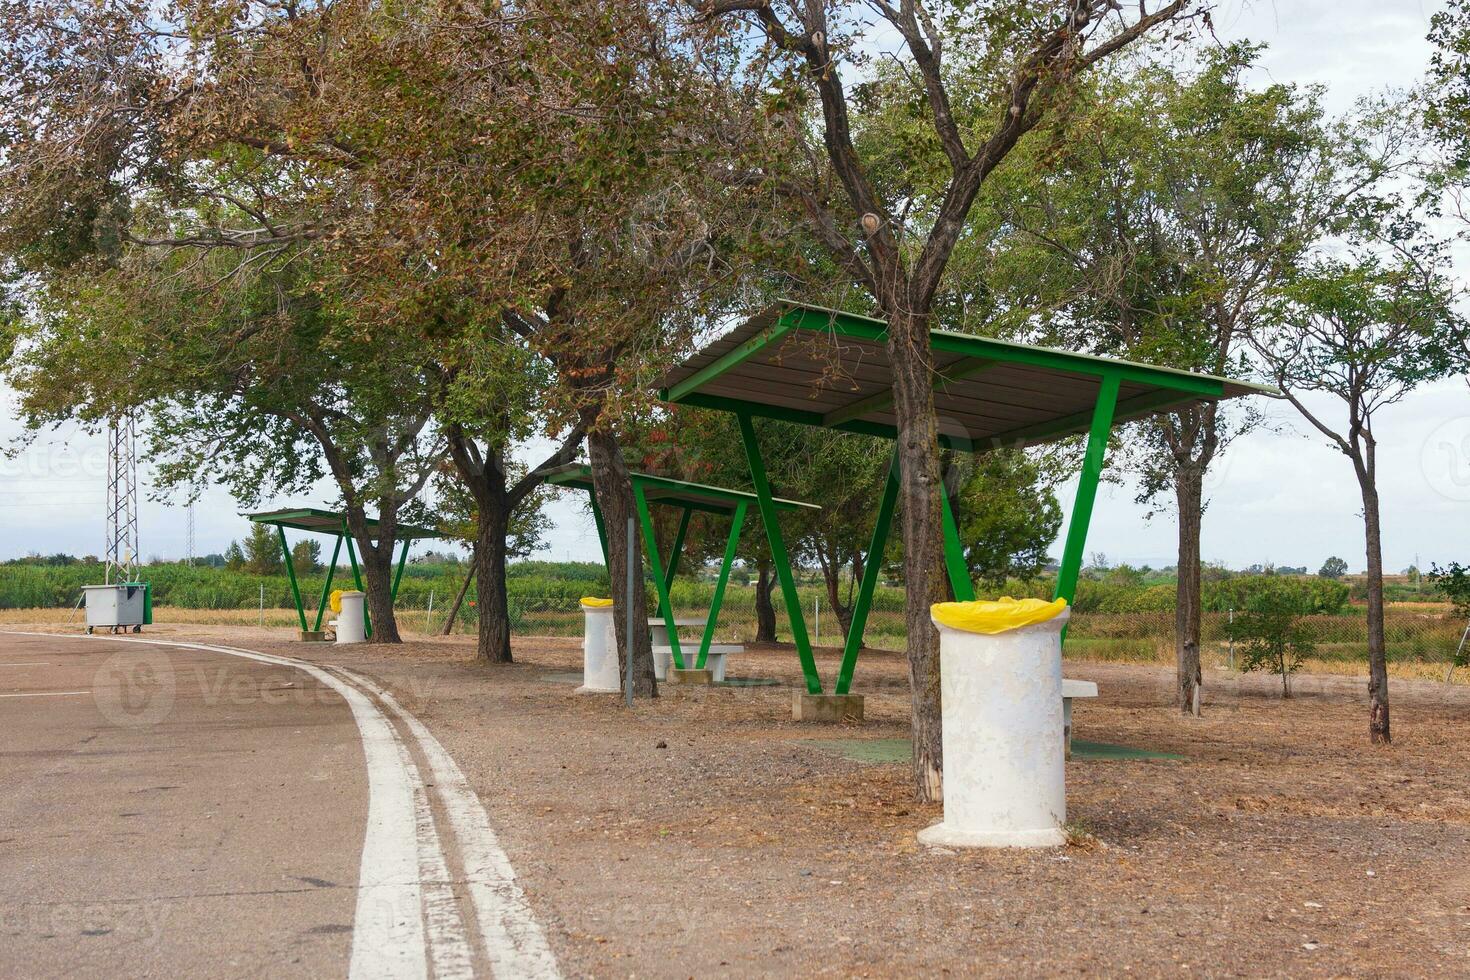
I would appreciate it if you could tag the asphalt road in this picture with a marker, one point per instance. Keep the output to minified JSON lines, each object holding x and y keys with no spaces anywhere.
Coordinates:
{"x":167,"y":810}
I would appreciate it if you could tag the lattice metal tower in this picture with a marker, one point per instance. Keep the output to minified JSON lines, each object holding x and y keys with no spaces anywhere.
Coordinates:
{"x":122,"y":500}
{"x":189,"y":532}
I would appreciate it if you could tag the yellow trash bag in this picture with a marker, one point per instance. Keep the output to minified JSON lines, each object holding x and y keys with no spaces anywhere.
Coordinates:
{"x":995,"y":616}
{"x":591,"y":602}
{"x":335,"y":600}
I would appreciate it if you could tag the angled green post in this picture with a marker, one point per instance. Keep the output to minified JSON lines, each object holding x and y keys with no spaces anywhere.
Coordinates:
{"x":678,"y":551}
{"x":321,"y":607}
{"x":719,"y":597}
{"x":864,"y":602}
{"x":779,"y":557}
{"x":1092,"y":467}
{"x":601,"y":529}
{"x":650,"y":545}
{"x":367,"y":617}
{"x":398,"y":575}
{"x":291,"y":574}
{"x":954,"y":552}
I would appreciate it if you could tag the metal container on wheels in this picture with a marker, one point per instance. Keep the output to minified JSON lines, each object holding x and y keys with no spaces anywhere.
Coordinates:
{"x":121,"y":608}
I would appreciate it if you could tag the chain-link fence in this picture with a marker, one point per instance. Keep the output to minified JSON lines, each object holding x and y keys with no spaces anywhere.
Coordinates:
{"x":1427,"y":636}
{"x":1411,"y":637}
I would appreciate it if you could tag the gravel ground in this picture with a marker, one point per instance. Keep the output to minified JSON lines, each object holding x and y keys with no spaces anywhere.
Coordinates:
{"x":697,"y":835}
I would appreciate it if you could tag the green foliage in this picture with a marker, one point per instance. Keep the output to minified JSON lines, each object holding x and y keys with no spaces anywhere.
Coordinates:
{"x":1269,"y":632}
{"x":1007,"y":513}
{"x":1447,"y":101}
{"x":1333,"y":568}
{"x":263,"y":551}
{"x":234,"y":557}
{"x":1315,"y":596}
{"x":306,"y":556}
{"x":1453,"y":582}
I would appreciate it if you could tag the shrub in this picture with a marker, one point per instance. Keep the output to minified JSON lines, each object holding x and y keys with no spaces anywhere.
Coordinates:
{"x":1270,"y":633}
{"x":1316,"y":596}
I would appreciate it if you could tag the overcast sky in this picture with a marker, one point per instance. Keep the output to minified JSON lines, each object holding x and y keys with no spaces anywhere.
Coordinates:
{"x":1278,"y":496}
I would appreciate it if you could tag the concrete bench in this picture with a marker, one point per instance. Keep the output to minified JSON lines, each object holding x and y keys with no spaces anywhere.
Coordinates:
{"x":1073,"y":689}
{"x":714,"y":663}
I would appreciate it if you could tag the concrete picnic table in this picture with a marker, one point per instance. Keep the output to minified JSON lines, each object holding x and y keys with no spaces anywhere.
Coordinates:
{"x":661,"y":628}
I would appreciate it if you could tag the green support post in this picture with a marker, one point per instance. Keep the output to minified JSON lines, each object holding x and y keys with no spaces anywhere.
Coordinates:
{"x":367,"y":618}
{"x":1092,"y":466}
{"x":398,"y":575}
{"x":779,"y":557}
{"x":601,"y":529}
{"x":864,"y":602}
{"x":291,"y":574}
{"x":954,"y":552}
{"x":321,"y":607}
{"x":650,"y":545}
{"x":719,"y":597}
{"x":678,"y":551}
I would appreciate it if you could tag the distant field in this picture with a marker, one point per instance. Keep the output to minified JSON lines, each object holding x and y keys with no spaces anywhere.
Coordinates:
{"x":1419,"y":646}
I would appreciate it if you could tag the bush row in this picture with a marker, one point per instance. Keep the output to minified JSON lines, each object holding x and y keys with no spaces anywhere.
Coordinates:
{"x":202,"y":587}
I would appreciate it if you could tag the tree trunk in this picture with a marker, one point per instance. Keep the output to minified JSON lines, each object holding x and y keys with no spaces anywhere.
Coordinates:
{"x":1378,"y":727}
{"x":491,"y":527}
{"x":765,"y":610}
{"x":923,"y":557}
{"x":832,"y":574}
{"x":1189,"y":495}
{"x":459,"y":599}
{"x":614,"y":492}
{"x":377,"y":576}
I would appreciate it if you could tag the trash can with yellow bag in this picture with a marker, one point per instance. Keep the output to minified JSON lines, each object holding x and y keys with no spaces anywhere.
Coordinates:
{"x":351,"y":616}
{"x":1001,"y":691}
{"x":600,"y":672}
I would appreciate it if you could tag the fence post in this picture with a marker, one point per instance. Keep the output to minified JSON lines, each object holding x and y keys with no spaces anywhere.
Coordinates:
{"x":429,"y":616}
{"x":262,"y":603}
{"x":628,"y":635}
{"x":1230,"y":640}
{"x":1456,"y":658}
{"x":816,"y":619}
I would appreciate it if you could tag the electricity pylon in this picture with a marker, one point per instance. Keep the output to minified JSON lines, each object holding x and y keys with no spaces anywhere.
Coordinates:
{"x":122,"y":500}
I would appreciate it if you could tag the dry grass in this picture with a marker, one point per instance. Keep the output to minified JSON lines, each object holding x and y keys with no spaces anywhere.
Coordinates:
{"x":411,"y":622}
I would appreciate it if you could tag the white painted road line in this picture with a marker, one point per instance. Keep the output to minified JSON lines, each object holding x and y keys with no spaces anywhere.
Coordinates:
{"x":29,"y":663}
{"x":44,"y":694}
{"x":512,"y":938}
{"x":449,"y":950}
{"x":407,"y":918}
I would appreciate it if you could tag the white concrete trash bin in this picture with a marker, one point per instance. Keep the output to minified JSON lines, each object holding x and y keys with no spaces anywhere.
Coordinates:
{"x":351,"y":620}
{"x":1001,"y":685}
{"x":600,"y":672}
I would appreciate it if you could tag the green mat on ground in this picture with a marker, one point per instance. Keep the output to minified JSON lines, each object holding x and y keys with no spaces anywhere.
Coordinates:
{"x":899,"y":750}
{"x":575,"y":677}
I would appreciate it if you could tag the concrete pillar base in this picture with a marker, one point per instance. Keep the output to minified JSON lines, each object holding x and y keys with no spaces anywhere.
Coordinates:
{"x":690,"y":677}
{"x":584,"y":689}
{"x":939,"y":835}
{"x":313,"y":636}
{"x":826,"y":707}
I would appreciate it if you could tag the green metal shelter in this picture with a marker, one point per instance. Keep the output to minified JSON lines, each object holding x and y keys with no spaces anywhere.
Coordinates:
{"x":332,"y":522}
{"x":820,"y":367}
{"x":689,"y":498}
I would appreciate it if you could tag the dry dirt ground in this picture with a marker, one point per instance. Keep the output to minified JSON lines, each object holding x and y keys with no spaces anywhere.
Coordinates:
{"x":700,"y":835}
